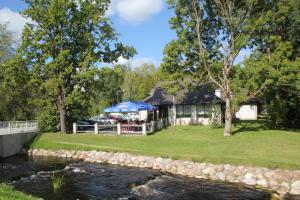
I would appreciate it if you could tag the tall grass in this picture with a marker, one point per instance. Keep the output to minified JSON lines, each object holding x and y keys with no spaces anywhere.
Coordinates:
{"x":57,"y":180}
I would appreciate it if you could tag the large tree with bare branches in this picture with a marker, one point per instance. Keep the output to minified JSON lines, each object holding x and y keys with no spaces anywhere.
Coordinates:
{"x":211,"y":35}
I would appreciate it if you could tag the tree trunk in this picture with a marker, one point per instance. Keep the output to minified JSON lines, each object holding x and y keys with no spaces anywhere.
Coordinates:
{"x":63,"y":121}
{"x":228,"y":117}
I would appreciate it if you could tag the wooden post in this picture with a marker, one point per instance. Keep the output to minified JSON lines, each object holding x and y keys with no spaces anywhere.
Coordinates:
{"x":119,"y":129}
{"x":144,"y":129}
{"x":74,"y":128}
{"x":96,"y":128}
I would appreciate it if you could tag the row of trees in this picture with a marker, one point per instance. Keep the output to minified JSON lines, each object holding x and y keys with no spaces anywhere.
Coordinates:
{"x":54,"y":67}
{"x":54,"y":73}
{"x":53,"y":76}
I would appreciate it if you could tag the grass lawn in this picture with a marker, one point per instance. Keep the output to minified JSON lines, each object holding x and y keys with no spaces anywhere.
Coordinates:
{"x":8,"y":193}
{"x":253,"y":144}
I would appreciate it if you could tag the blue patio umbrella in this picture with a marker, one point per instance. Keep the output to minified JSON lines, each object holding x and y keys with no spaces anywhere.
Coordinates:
{"x":129,"y":106}
{"x":147,"y":106}
{"x":112,"y":109}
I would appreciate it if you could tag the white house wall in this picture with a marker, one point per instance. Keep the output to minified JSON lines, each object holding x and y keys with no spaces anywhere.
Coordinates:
{"x":189,"y":120}
{"x":247,"y":112}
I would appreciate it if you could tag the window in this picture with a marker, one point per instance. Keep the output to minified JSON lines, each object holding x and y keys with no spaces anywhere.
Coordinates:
{"x":183,"y":111}
{"x":179,"y":110}
{"x":187,"y":111}
{"x":204,"y":110}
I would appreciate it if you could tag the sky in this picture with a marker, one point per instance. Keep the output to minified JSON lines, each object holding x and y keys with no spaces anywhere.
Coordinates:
{"x":142,"y":24}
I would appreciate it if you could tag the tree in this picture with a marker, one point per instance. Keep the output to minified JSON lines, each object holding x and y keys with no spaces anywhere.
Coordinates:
{"x":107,"y":88}
{"x":278,"y":50}
{"x":15,"y":91}
{"x":6,"y":44}
{"x":139,"y":81}
{"x":211,"y":35}
{"x":62,"y":48}
{"x":14,"y":78}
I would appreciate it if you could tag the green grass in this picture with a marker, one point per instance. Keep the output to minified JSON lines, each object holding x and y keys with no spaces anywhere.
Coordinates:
{"x":253,"y":144}
{"x":9,"y":193}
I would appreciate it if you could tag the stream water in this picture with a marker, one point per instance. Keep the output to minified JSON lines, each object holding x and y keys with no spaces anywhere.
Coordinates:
{"x":110,"y":182}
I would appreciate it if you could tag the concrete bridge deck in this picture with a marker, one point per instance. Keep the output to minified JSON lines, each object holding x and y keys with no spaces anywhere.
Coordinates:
{"x":14,"y":135}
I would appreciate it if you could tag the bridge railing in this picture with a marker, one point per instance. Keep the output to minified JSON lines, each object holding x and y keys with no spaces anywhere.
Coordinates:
{"x":17,"y":126}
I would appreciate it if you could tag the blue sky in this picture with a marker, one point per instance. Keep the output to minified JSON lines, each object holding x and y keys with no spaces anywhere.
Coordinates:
{"x":140,"y":23}
{"x":144,"y":26}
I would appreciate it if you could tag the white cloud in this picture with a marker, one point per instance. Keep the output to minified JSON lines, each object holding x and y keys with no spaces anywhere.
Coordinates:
{"x":15,"y":21}
{"x":122,"y":61}
{"x":134,"y":11}
{"x":136,"y":62}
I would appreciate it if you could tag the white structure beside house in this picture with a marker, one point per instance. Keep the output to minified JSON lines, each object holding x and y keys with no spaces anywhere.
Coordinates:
{"x":196,"y":107}
{"x":247,"y":112}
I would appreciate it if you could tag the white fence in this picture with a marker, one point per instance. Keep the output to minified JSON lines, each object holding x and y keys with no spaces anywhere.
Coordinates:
{"x":18,"y":127}
{"x":128,"y":129}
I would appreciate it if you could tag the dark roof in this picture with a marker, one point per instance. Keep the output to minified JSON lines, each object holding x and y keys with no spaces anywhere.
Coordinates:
{"x":200,"y":95}
{"x":253,"y":101}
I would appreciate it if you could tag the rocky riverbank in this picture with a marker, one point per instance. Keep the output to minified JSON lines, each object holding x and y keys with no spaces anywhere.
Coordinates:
{"x":283,"y":182}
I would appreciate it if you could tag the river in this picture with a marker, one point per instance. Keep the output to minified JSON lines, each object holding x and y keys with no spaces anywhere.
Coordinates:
{"x":82,"y":181}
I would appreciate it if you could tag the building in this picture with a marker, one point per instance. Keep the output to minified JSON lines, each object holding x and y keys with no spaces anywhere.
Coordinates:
{"x":249,"y":110}
{"x":187,"y":107}
{"x":197,"y":106}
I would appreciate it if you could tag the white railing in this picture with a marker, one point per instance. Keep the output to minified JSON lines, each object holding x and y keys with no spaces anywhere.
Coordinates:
{"x":18,"y":126}
{"x":134,"y":129}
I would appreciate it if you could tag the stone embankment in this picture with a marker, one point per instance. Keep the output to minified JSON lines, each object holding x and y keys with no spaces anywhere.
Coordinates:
{"x":280,"y":181}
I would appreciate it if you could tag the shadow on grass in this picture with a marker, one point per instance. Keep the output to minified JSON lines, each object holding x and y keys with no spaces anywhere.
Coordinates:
{"x":250,"y":126}
{"x":158,"y":130}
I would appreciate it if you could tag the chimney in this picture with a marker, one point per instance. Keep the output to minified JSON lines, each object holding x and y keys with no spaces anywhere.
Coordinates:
{"x":218,"y":93}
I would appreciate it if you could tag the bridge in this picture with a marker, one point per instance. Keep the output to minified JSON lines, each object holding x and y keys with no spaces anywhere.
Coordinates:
{"x":14,"y":134}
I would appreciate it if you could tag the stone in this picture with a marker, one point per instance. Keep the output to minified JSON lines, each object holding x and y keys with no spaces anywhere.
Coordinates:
{"x":209,"y":171}
{"x":295,"y":188}
{"x":249,"y":180}
{"x":221,"y":176}
{"x":283,"y":188}
{"x":262,"y":182}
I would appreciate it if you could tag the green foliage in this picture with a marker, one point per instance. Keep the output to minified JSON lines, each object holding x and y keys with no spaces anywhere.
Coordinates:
{"x":9,"y":193}
{"x":15,"y":94}
{"x":48,"y":118}
{"x":278,"y":58}
{"x":62,"y":48}
{"x":216,"y":116}
{"x":138,"y":82}
{"x":107,"y":88}
{"x":57,"y":181}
